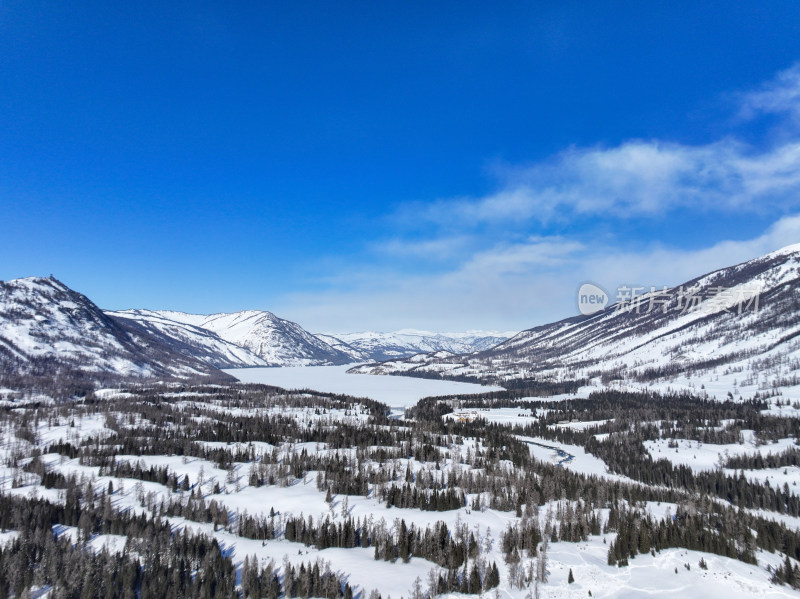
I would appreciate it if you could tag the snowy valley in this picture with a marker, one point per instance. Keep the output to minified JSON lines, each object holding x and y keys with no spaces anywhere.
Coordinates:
{"x":629,"y":453}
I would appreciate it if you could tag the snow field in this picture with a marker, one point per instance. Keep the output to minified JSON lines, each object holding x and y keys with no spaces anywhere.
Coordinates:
{"x":395,"y":391}
{"x":706,"y":456}
{"x":646,"y":576}
{"x":581,"y":461}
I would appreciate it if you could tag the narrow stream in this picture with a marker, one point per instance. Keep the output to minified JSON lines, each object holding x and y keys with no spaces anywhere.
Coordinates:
{"x":564,"y":456}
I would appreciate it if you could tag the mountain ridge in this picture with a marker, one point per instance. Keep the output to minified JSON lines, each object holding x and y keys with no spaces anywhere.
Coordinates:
{"x":635,"y":343}
{"x":51,"y":333}
{"x":694,"y":329}
{"x":268,"y":340}
{"x":379,"y":346}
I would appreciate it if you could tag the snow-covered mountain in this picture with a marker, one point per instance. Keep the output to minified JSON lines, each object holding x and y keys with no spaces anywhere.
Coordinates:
{"x":737,"y":326}
{"x":740,"y":323}
{"x":378,"y":347}
{"x":259,"y":338}
{"x":355,"y":355}
{"x":260,"y":335}
{"x":195,"y":341}
{"x":48,"y":330}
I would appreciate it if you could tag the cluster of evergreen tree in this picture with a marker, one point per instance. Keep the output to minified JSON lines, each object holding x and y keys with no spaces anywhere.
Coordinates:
{"x":626,"y":454}
{"x":571,"y":522}
{"x":307,"y":580}
{"x":787,"y":573}
{"x":434,"y":465}
{"x":448,"y":549}
{"x":469,"y":581}
{"x":260,"y":582}
{"x":154,"y":563}
{"x":758,"y":461}
{"x":313,"y":581}
{"x":408,"y":496}
{"x":638,"y":533}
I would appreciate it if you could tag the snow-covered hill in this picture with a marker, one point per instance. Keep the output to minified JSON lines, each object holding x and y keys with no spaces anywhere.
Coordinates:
{"x":260,"y":334}
{"x":740,"y":323}
{"x":408,"y":342}
{"x":47,"y":329}
{"x":356,"y":355}
{"x":195,"y":341}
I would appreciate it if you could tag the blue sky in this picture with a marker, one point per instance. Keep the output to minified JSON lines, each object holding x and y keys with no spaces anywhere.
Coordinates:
{"x":378,"y":165}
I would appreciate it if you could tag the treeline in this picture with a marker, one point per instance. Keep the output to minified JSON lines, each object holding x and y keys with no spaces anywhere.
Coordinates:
{"x":637,"y":533}
{"x":408,"y":496}
{"x":452,"y":550}
{"x":758,"y":461}
{"x":154,"y":563}
{"x":627,"y":455}
{"x":312,"y":580}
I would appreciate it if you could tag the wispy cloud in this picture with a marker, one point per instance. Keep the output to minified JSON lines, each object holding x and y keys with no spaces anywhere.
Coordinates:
{"x":443,"y":248}
{"x":635,"y":179}
{"x":516,"y":285}
{"x":515,"y":258}
{"x":538,"y":253}
{"x":645,"y":178}
{"x":781,"y":95}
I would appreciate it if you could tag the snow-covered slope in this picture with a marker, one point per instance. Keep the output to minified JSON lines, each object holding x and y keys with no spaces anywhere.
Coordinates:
{"x":356,"y":355}
{"x":273,"y":340}
{"x":191,"y":340}
{"x":47,"y":329}
{"x":408,"y":342}
{"x":695,"y":328}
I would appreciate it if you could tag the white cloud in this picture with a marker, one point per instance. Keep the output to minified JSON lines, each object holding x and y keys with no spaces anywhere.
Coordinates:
{"x":637,"y":178}
{"x":516,"y":285}
{"x":441,"y":248}
{"x":648,"y":177}
{"x":519,"y":258}
{"x":661,"y":266}
{"x":491,"y":274}
{"x":781,"y":95}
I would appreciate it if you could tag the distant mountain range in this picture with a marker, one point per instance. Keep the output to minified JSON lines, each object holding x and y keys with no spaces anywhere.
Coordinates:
{"x":259,"y":338}
{"x":739,"y":325}
{"x":248,"y":338}
{"x":376,"y":346}
{"x":48,"y":331}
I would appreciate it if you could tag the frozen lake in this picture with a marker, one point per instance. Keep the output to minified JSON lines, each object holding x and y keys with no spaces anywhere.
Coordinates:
{"x":395,"y":391}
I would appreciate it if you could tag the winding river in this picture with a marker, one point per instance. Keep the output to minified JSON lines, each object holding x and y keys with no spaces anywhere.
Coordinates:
{"x":564,"y":457}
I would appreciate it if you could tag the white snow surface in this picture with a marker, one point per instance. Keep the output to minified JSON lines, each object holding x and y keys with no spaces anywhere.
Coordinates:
{"x":581,"y":461}
{"x":646,"y":576}
{"x":395,"y":391}
{"x":504,"y":416}
{"x":707,"y":456}
{"x":272,"y":340}
{"x":407,"y":342}
{"x":707,"y":349}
